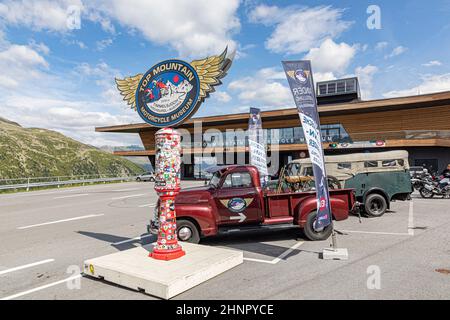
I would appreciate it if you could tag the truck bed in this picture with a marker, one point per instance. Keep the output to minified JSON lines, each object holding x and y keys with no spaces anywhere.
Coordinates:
{"x":285,"y":204}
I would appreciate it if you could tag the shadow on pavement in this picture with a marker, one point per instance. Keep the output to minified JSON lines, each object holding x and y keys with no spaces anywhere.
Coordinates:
{"x":257,"y":242}
{"x":115,"y":241}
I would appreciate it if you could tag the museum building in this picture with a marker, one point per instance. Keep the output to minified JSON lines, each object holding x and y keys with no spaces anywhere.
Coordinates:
{"x":419,"y":124}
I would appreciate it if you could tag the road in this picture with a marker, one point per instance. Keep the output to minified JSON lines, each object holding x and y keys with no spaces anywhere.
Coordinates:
{"x":46,"y":236}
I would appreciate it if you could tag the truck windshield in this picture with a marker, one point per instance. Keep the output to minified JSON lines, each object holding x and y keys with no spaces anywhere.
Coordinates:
{"x":215,"y":179}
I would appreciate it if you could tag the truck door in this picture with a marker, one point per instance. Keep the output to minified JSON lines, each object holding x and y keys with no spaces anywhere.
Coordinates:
{"x":237,"y":200}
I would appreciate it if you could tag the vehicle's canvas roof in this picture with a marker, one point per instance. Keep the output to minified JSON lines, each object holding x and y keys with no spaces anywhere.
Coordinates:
{"x":373,"y":156}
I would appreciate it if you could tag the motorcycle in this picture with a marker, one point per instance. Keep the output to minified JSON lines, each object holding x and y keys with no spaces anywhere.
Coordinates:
{"x":419,"y":181}
{"x":432,"y":188}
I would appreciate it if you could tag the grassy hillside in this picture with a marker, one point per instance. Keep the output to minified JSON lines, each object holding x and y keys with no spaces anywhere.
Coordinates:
{"x":32,"y":152}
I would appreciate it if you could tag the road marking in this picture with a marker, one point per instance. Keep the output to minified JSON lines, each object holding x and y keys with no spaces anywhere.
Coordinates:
{"x":147,"y":205}
{"x":131,"y":240}
{"x":280,"y":257}
{"x":26,"y":266}
{"x":124,"y":190}
{"x":58,"y":221}
{"x":72,"y":196}
{"x":411,"y":219}
{"x":125,"y":197}
{"x":17,"y":295}
{"x":376,"y":232}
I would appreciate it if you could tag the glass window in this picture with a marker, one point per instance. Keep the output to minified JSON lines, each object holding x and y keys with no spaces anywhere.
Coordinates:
{"x":389,"y":163}
{"x":293,"y":169}
{"x":350,"y":85}
{"x":344,"y":165}
{"x":340,"y":86}
{"x":308,"y":171}
{"x":401,"y":162}
{"x":322,"y":89}
{"x":238,"y":180}
{"x":370,"y":164}
{"x":332,"y":87}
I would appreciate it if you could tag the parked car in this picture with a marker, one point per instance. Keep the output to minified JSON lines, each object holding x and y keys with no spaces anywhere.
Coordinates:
{"x":147,"y":176}
{"x":378,"y":178}
{"x":234,"y":200}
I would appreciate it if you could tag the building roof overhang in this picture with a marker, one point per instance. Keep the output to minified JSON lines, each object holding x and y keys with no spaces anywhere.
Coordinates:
{"x":379,"y":105}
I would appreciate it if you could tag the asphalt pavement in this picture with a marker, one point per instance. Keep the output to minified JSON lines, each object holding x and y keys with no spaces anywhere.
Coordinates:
{"x":46,"y":235}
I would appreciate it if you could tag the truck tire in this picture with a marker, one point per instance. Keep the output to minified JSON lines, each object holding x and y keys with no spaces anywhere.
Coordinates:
{"x":375,"y":205}
{"x":152,"y":179}
{"x":138,"y":179}
{"x":187,"y":231}
{"x":309,"y":231}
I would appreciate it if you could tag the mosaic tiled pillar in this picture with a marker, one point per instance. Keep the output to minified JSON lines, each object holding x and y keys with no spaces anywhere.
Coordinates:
{"x":167,"y":185}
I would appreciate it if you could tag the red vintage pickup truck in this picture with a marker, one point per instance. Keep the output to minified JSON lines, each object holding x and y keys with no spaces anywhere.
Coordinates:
{"x":234,"y":200}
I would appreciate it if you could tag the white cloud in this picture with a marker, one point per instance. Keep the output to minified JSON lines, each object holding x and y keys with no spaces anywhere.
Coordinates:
{"x":74,"y":118}
{"x":103,"y":44}
{"x":365,"y":78}
{"x":38,"y":15}
{"x":264,"y":89}
{"x":222,"y":96}
{"x":299,"y":29}
{"x":78,"y":43}
{"x":323,"y":76}
{"x":20,"y":63}
{"x":429,"y":84}
{"x":381,"y":45}
{"x":331,"y":57}
{"x":40,"y":47}
{"x":432,"y":63}
{"x":396,"y":52}
{"x":190,"y":27}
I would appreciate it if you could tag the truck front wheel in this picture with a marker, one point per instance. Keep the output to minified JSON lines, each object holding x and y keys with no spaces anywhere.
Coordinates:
{"x":312,"y":234}
{"x":187,"y":231}
{"x":375,"y":205}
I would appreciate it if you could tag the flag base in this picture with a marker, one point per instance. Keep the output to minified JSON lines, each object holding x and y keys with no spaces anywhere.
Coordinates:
{"x":335,"y":254}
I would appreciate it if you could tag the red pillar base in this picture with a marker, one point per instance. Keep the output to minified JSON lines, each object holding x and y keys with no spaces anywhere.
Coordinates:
{"x":167,"y":254}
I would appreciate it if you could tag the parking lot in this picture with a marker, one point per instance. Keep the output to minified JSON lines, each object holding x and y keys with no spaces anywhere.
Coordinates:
{"x":46,"y":236}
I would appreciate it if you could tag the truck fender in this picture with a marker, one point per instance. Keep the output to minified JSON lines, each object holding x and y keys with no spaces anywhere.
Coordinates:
{"x":379,"y":191}
{"x":202,"y":216}
{"x":339,"y":209}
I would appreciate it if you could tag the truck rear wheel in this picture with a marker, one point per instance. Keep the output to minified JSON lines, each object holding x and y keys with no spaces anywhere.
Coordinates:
{"x":375,"y":205}
{"x":187,"y":231}
{"x":312,"y":234}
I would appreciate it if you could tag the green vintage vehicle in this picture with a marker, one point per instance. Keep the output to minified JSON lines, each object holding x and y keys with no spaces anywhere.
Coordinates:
{"x":378,"y":178}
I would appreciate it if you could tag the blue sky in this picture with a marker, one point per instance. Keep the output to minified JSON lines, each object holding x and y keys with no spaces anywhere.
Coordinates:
{"x":60,"y":75}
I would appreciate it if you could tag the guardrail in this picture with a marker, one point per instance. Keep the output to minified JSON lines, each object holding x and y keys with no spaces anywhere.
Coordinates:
{"x":33,"y":182}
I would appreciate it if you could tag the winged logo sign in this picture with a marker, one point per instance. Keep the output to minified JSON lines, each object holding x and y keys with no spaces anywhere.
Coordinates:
{"x":171,"y":91}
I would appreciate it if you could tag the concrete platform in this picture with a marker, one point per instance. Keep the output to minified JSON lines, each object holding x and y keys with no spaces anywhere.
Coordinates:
{"x":335,"y":254}
{"x":134,"y":269}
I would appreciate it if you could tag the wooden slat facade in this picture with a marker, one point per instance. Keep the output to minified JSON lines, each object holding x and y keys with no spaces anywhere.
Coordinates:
{"x":387,"y":119}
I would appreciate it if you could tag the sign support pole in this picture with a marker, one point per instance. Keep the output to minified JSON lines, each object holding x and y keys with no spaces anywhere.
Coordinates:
{"x":167,"y":186}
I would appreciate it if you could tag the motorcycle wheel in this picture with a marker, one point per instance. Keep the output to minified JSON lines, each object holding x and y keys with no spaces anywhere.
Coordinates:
{"x":425,"y":193}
